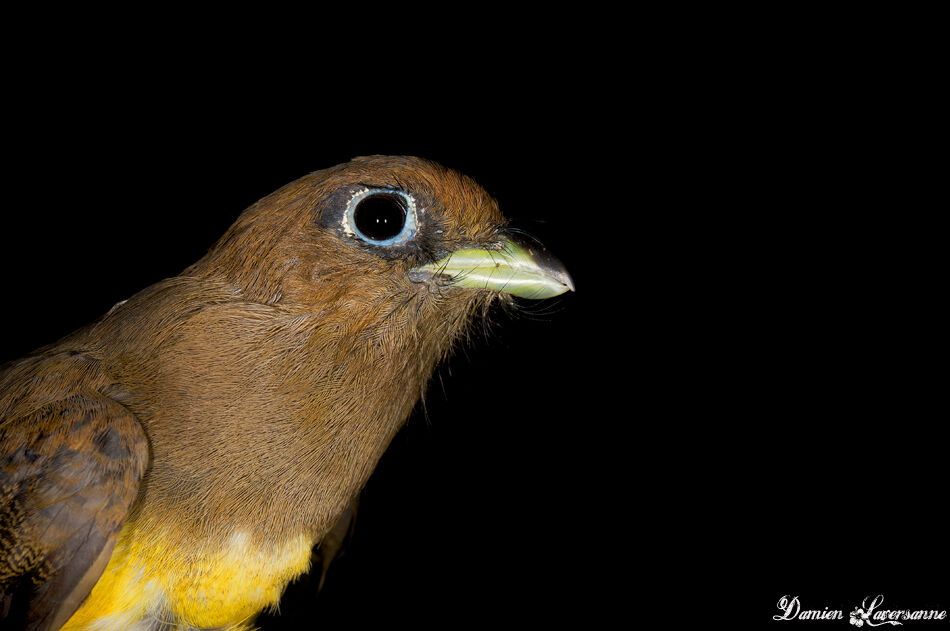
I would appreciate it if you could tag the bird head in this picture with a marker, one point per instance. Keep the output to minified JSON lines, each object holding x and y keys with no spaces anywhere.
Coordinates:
{"x":383,"y":246}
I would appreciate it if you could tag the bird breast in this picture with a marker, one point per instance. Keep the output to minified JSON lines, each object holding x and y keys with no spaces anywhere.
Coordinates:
{"x":149,"y":584}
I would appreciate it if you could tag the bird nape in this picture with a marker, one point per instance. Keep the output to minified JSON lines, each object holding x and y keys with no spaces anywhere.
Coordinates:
{"x":173,"y":464}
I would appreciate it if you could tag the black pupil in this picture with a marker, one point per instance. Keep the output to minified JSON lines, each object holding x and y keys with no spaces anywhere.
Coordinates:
{"x":380,"y":217}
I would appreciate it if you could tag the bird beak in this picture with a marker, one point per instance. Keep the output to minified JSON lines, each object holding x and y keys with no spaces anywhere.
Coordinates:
{"x":516,"y":267}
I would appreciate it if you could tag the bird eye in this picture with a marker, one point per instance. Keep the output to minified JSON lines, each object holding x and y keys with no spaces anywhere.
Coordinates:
{"x":382,"y":217}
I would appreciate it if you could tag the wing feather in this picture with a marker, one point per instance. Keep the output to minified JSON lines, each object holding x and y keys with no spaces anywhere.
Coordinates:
{"x":69,"y":473}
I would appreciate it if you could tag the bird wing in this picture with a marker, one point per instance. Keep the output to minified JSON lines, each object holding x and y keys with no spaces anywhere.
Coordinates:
{"x":69,"y":472}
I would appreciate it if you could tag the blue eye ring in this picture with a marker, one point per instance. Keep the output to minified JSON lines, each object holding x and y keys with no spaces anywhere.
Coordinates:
{"x":405,"y":200}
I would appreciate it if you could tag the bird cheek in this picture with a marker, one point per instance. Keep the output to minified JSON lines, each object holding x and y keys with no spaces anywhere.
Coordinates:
{"x":305,"y":286}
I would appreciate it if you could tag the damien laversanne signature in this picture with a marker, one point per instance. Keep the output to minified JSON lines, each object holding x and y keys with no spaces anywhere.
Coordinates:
{"x":869,"y":613}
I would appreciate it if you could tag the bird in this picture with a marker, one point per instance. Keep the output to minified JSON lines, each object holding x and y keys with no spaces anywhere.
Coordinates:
{"x":174,"y":463}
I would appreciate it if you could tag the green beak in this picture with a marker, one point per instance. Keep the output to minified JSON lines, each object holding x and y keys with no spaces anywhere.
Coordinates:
{"x":517,"y":268}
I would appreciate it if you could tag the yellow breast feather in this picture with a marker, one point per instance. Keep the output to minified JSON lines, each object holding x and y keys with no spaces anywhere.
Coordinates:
{"x":222,"y":587}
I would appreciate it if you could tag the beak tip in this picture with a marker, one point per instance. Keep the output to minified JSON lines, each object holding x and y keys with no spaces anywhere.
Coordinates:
{"x":558,"y":272}
{"x":547,"y":262}
{"x":564,"y":278}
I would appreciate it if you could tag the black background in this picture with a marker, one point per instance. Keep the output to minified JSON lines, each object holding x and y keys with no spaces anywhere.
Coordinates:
{"x":744,"y":399}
